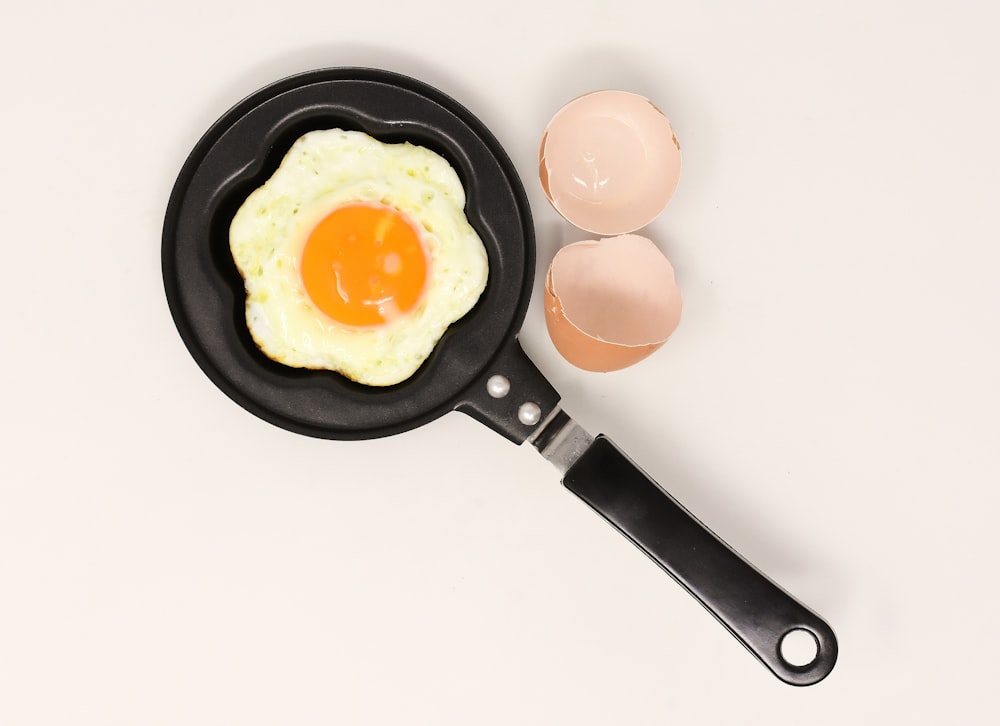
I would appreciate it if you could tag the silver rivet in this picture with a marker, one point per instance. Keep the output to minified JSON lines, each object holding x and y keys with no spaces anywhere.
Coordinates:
{"x":498,"y":386}
{"x":529,"y":413}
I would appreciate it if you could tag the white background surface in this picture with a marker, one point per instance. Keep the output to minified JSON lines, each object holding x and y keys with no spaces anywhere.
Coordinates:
{"x":829,"y":405}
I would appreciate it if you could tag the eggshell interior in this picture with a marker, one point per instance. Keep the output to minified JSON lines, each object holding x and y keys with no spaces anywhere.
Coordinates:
{"x":609,"y":162}
{"x":610,"y":303}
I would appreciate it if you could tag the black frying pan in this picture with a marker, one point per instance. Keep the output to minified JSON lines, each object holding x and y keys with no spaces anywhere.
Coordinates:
{"x":478,"y":367}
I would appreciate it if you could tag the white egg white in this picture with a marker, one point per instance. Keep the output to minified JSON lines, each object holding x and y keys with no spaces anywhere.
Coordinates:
{"x":328,"y":169}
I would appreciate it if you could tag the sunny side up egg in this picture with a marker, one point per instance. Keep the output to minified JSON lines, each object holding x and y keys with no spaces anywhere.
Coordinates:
{"x":356,"y":256}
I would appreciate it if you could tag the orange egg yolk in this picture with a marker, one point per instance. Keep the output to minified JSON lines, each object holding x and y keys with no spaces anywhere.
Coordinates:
{"x":364,"y":265}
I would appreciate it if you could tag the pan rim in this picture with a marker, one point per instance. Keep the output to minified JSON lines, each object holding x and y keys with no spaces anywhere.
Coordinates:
{"x":397,"y":410}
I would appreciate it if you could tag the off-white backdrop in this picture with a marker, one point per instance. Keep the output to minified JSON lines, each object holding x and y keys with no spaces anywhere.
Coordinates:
{"x":829,"y":404}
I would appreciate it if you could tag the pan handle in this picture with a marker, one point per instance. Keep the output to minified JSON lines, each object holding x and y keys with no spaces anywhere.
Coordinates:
{"x":797,"y":645}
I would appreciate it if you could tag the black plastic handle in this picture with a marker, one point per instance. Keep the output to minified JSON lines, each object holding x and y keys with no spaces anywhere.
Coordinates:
{"x":754,"y":609}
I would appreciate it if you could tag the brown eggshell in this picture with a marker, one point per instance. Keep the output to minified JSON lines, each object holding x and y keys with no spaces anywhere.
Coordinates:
{"x":610,"y":303}
{"x":609,"y":162}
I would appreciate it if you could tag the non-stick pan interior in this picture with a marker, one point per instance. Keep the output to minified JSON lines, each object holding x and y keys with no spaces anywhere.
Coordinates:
{"x":238,"y":154}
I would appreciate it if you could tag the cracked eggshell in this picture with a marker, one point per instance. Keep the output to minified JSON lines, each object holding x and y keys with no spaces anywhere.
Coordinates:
{"x":609,"y":162}
{"x":610,"y":303}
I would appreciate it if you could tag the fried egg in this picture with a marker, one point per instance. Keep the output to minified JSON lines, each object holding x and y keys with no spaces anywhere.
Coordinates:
{"x":356,"y":256}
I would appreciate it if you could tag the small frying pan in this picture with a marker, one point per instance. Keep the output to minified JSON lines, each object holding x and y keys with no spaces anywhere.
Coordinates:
{"x":478,"y":366}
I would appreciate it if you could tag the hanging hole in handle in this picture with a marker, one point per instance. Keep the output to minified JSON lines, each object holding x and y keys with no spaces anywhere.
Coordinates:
{"x":798,"y":648}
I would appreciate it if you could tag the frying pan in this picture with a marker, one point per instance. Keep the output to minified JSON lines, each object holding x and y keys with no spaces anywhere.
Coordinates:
{"x":478,"y":367}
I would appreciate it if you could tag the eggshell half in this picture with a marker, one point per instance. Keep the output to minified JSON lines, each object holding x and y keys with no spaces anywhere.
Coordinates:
{"x":610,"y":303}
{"x":609,"y":162}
